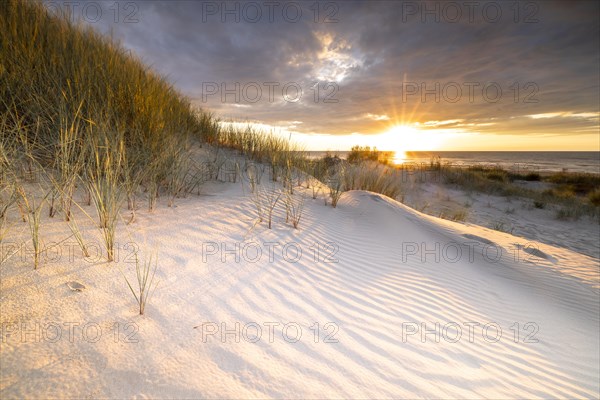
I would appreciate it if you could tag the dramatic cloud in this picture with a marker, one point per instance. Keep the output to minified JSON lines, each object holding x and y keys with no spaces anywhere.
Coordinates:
{"x":486,"y":67}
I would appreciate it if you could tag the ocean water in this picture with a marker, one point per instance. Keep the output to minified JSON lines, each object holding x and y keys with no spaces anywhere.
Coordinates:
{"x":517,"y":161}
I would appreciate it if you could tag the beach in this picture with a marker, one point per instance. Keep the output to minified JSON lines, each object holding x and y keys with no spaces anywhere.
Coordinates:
{"x":368,"y":299}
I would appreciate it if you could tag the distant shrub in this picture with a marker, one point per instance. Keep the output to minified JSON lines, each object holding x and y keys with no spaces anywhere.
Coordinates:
{"x":572,"y":213}
{"x":565,"y":192}
{"x":359,"y":154}
{"x":435,"y":163}
{"x":533,"y":176}
{"x":501,"y":227}
{"x":594,"y":197}
{"x":581,"y":183}
{"x":331,"y":160}
{"x":459,"y":216}
{"x":560,"y":192}
{"x":499,"y":176}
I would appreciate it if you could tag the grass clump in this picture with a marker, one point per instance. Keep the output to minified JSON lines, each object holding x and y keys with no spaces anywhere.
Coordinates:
{"x":315,"y":185}
{"x":594,"y":198}
{"x":569,"y":213}
{"x":145,"y":273}
{"x":459,"y":216}
{"x":499,"y":176}
{"x":34,"y":213}
{"x":501,"y":227}
{"x":532,"y":177}
{"x":106,"y":189}
{"x":359,"y":154}
{"x":374,"y":178}
{"x":265,"y":199}
{"x":283,"y":157}
{"x":580,"y":183}
{"x":69,"y":162}
{"x":336,"y":189}
{"x":294,"y":204}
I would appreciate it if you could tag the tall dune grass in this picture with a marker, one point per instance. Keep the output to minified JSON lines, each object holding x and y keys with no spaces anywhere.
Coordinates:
{"x":59,"y":79}
{"x":288,"y":163}
{"x":78,"y":236}
{"x":79,"y":108}
{"x":280,"y":153}
{"x":373,"y":177}
{"x":33,"y":209}
{"x":52,"y":67}
{"x":104,"y":183}
{"x":70,"y":160}
{"x":8,"y":197}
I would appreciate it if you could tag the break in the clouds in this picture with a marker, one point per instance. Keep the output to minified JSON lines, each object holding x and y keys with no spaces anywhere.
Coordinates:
{"x":525,"y":68}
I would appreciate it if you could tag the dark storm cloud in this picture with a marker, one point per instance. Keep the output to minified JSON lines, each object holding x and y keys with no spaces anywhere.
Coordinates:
{"x":545,"y":59}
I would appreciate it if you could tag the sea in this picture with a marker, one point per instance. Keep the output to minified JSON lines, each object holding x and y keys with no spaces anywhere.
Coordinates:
{"x":516,"y":161}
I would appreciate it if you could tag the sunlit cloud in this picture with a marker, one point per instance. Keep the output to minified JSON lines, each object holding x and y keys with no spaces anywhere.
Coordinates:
{"x":376,"y":117}
{"x":565,"y":114}
{"x":335,"y":60}
{"x":442,"y":123}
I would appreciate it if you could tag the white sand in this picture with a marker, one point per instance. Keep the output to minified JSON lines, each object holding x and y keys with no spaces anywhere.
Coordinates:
{"x":380,"y":291}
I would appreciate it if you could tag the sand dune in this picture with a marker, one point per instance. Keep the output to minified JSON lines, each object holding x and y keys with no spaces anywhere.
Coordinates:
{"x":373,"y":279}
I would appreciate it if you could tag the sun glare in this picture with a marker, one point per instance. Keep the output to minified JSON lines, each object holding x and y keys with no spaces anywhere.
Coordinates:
{"x":397,"y":140}
{"x":403,"y":138}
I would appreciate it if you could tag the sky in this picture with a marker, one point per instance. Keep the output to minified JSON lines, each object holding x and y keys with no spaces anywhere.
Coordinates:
{"x":399,"y":75}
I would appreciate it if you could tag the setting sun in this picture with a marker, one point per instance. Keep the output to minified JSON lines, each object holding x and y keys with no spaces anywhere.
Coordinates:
{"x":398,"y":138}
{"x":403,"y":138}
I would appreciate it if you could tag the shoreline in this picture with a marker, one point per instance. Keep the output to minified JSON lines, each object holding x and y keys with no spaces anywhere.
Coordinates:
{"x":422,"y":159}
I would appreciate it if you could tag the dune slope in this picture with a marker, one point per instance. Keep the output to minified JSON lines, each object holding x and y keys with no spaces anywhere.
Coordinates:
{"x":371,"y":299}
